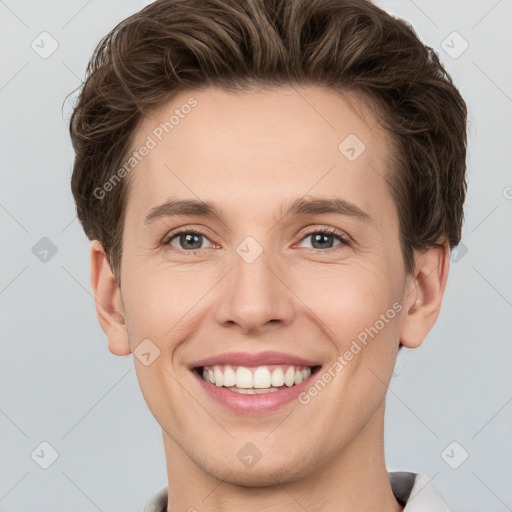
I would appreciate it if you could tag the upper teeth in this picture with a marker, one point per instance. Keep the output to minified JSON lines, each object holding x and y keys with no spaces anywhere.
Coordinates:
{"x":259,"y":377}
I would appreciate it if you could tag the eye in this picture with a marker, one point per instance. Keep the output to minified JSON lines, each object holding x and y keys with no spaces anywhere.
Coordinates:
{"x":186,"y":240}
{"x":324,"y":238}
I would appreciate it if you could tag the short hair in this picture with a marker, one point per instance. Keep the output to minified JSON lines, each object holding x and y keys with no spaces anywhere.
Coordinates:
{"x":172,"y":46}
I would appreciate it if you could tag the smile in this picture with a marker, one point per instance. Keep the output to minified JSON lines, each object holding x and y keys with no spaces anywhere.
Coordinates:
{"x":254,"y":380}
{"x":254,"y":390}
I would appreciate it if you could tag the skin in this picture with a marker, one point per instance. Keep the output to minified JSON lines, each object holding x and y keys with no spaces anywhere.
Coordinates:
{"x":250,"y":154}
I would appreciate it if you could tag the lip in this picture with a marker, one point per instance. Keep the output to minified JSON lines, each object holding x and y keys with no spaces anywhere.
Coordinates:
{"x":257,"y":404}
{"x":257,"y":359}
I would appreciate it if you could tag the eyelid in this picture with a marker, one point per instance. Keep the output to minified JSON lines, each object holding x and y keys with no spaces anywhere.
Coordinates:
{"x":185,"y":230}
{"x":343,"y":237}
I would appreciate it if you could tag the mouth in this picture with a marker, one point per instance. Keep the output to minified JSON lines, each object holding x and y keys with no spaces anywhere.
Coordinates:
{"x":255,"y":380}
{"x":254,"y":390}
{"x":254,"y":383}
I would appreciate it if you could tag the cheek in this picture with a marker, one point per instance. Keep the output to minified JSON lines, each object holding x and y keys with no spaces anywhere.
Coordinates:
{"x":159,"y":306}
{"x":359,"y":307}
{"x":159,"y":301}
{"x":348,"y":298}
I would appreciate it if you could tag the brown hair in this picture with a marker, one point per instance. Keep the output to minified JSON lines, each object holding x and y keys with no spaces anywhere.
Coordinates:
{"x":345,"y":45}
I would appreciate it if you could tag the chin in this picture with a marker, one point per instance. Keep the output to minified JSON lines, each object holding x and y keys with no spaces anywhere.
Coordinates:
{"x":262,"y":474}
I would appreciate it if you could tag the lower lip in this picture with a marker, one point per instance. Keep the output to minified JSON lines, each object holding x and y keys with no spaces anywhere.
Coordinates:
{"x":253,"y":404}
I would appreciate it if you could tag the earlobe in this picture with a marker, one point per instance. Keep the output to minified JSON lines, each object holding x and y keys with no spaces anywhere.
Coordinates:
{"x":107,"y":297}
{"x":424,"y":294}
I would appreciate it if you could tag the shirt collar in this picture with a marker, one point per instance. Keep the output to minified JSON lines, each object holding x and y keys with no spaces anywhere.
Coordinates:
{"x":416,"y":492}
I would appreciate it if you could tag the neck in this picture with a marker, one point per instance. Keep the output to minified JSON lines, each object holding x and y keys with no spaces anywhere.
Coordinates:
{"x":354,"y":478}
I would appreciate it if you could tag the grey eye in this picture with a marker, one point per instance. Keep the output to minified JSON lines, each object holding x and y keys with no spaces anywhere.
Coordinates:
{"x":188,"y":241}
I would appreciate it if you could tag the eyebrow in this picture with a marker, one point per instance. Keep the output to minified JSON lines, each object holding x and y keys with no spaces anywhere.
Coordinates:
{"x":300,"y":206}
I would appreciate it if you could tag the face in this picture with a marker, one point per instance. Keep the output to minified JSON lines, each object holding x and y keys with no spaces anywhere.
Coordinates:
{"x":261,"y":245}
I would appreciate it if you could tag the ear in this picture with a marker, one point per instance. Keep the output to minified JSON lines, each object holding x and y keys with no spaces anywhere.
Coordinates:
{"x":424,"y":294}
{"x":107,"y":297}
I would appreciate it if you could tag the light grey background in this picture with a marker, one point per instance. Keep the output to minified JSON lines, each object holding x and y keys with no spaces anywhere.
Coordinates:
{"x":58,"y":382}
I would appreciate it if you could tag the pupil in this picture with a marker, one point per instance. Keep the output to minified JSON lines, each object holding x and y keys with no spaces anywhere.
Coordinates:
{"x":321,"y":239}
{"x":186,"y":239}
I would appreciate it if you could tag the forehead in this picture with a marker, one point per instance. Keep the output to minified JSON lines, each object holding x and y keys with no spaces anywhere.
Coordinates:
{"x":258,"y":147}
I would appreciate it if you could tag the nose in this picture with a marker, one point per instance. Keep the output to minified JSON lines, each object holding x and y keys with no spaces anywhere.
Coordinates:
{"x":254,"y":297}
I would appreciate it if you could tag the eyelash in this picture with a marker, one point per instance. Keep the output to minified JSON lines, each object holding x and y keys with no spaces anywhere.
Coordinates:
{"x":342,"y":237}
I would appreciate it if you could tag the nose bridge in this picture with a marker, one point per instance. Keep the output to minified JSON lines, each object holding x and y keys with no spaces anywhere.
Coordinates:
{"x":253,"y":295}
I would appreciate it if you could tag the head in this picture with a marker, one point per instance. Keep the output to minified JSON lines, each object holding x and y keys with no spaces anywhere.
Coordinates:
{"x":286,"y":117}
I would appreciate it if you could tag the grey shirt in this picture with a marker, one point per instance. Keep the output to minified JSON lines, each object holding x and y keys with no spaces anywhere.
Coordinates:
{"x":412,"y":490}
